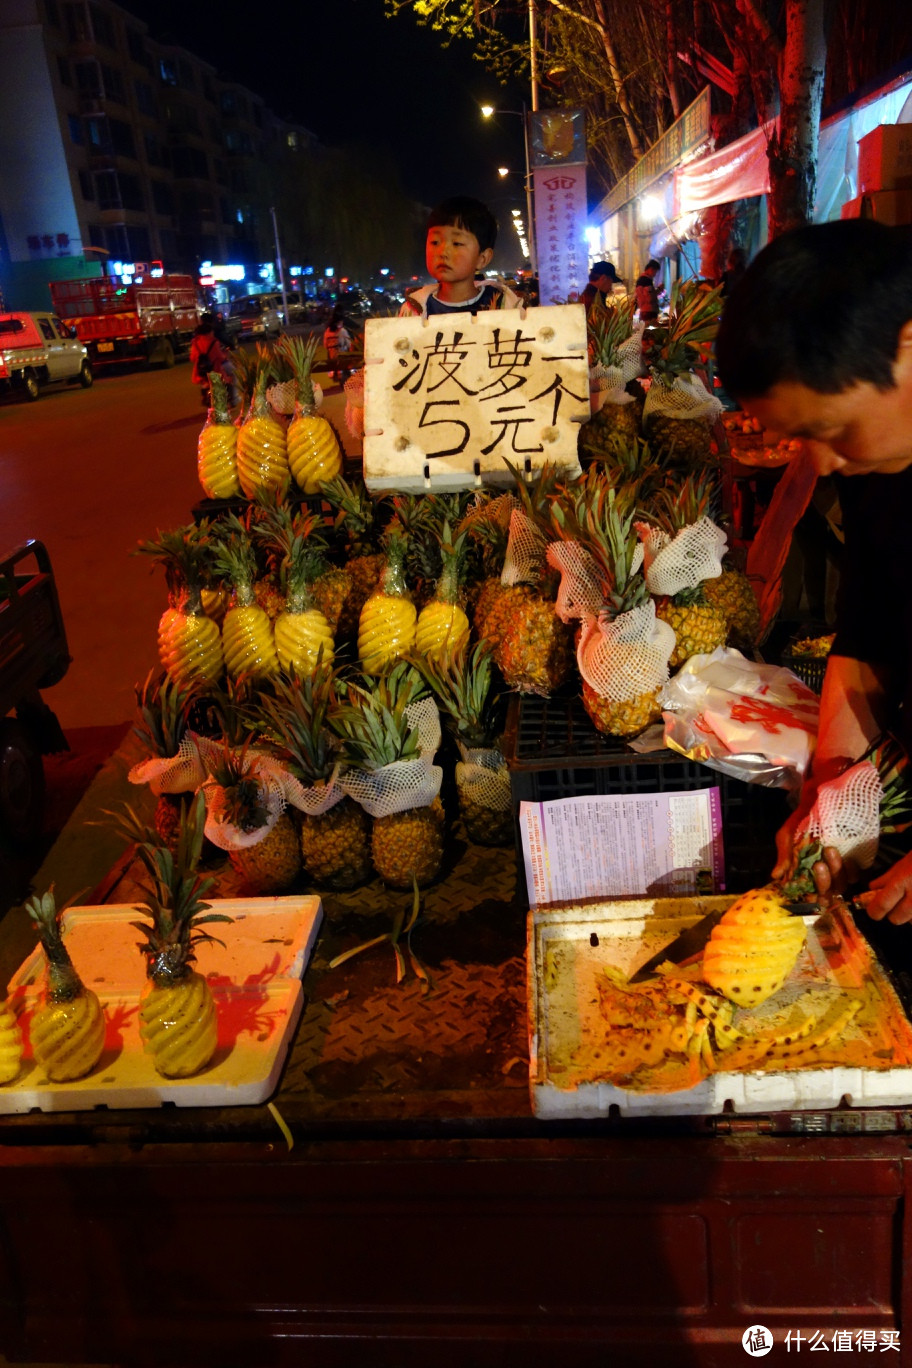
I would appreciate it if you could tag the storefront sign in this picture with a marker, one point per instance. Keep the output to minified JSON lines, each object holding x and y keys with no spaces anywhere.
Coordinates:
{"x":684,"y":136}
{"x":448,"y":401}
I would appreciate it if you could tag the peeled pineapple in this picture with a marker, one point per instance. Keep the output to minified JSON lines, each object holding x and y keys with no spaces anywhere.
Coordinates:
{"x":10,"y":1044}
{"x":247,"y":635}
{"x":314,"y":454}
{"x":67,"y":1031}
{"x":217,"y":447}
{"x":754,"y":948}
{"x":189,"y":644}
{"x":386,"y":629}
{"x":443,"y":628}
{"x":262,"y":454}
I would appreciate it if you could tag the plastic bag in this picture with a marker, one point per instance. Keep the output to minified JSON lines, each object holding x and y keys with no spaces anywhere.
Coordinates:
{"x":754,"y":722}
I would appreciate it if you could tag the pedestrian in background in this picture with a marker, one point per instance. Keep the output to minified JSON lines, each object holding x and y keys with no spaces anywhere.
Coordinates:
{"x":647,"y":296}
{"x":604,"y":281}
{"x":336,"y":339}
{"x":207,"y":356}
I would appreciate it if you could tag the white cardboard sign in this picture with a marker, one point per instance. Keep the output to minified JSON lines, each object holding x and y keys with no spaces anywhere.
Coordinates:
{"x":449,"y":400}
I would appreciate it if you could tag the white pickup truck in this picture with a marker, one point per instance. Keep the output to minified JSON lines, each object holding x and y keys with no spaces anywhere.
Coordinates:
{"x":38,"y":349}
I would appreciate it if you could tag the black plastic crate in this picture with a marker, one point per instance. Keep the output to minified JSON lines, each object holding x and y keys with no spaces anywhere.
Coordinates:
{"x":809,"y":669}
{"x":553,"y":751}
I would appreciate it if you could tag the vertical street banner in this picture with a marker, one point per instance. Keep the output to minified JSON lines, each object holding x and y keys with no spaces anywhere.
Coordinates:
{"x":557,"y":153}
{"x":449,"y":401}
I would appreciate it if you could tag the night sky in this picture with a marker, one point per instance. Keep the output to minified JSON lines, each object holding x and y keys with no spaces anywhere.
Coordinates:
{"x":351,"y":75}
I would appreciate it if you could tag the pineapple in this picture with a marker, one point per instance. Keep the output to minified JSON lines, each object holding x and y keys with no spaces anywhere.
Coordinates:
{"x":461,"y":683}
{"x":247,"y":635}
{"x":699,"y":626}
{"x":442,"y":626}
{"x":177,"y":1014}
{"x":10,"y":1044}
{"x":262,"y":456}
{"x":386,"y":628}
{"x":673,"y":349}
{"x":533,"y":647}
{"x":217,"y":447}
{"x":314,"y":454}
{"x":488,"y":525}
{"x":161,"y":727}
{"x":732,"y":595}
{"x":67,"y":1031}
{"x":189,"y":643}
{"x":356,"y":519}
{"x":302,"y":633}
{"x":608,"y":328}
{"x":236,"y":796}
{"x":754,"y":948}
{"x":603,"y":525}
{"x":406,"y":846}
{"x":335,"y":844}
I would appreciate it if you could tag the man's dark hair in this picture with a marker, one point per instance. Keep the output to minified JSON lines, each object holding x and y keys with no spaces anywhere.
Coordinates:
{"x":652,"y":265}
{"x":822,"y":306}
{"x":464,"y":212}
{"x":603,"y":268}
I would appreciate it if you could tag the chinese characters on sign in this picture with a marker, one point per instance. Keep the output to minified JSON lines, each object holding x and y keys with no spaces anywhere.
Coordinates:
{"x":449,"y":399}
{"x":560,"y":224}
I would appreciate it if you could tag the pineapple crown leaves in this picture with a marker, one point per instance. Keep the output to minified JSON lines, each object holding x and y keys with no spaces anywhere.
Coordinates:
{"x":373,"y":725}
{"x":234,"y":556}
{"x":232,"y":708}
{"x":295,"y":721}
{"x":44,"y":912}
{"x":219,"y":397}
{"x":800,"y":882}
{"x":235,"y":773}
{"x":696,"y":496}
{"x":675,"y":347}
{"x":536,"y":497}
{"x":889,"y":758}
{"x":462,"y":687}
{"x":603,"y":522}
{"x":300,"y":357}
{"x":175,"y":892}
{"x":162,"y":710}
{"x":607,"y":328}
{"x":356,"y":513}
{"x":187,"y":554}
{"x":296,"y":551}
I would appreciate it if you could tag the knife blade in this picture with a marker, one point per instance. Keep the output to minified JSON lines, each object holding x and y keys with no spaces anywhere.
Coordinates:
{"x":695,"y":938}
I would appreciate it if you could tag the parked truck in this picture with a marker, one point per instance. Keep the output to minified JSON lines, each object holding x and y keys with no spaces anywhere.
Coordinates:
{"x":151,"y":320}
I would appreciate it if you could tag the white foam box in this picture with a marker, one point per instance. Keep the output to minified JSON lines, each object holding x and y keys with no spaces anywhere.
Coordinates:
{"x":568,"y":951}
{"x":255,"y":976}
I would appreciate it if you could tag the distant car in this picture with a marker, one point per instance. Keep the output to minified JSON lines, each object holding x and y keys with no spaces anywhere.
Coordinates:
{"x":354,"y":303}
{"x":37,"y":349}
{"x":257,"y":316}
{"x":297,"y":309}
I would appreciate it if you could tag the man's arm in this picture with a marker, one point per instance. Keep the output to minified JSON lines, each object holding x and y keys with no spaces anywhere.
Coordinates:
{"x":852,"y":716}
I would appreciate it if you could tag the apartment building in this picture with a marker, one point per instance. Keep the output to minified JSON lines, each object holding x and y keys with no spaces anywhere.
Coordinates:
{"x":114,"y":146}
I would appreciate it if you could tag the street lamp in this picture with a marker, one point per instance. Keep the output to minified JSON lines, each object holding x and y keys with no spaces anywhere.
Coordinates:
{"x":488,"y":112}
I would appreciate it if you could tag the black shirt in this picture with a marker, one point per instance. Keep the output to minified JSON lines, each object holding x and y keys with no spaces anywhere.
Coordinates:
{"x":874,"y":607}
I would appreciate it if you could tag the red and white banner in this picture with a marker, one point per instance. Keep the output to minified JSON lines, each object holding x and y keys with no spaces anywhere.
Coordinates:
{"x":734,"y":172}
{"x":560,"y":224}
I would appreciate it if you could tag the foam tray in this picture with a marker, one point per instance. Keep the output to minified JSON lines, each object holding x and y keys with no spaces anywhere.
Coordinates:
{"x":256,"y":981}
{"x":568,"y":947}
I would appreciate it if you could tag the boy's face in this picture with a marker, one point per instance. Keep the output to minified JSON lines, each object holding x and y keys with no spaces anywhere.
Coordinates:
{"x":453,"y":254}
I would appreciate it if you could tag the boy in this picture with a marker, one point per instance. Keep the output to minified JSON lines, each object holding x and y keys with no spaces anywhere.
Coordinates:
{"x":816,"y":340}
{"x":460,"y":244}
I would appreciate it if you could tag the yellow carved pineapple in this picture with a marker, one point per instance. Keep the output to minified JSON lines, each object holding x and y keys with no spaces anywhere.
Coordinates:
{"x":386,"y":629}
{"x":217,"y":447}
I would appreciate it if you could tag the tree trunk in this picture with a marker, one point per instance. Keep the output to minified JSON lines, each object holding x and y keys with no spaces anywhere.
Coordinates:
{"x":627,"y":115}
{"x":793,"y":146}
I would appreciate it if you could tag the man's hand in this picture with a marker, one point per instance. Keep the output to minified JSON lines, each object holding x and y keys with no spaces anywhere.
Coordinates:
{"x":890,"y":895}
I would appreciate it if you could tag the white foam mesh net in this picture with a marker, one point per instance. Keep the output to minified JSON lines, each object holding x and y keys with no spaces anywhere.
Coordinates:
{"x":627,"y":656}
{"x":404,"y":783}
{"x":182,"y":772}
{"x":354,"y":404}
{"x":846,"y":813}
{"x":685,"y":397}
{"x":608,"y":382}
{"x":693,"y":555}
{"x":525,"y":551}
{"x":483,"y":777}
{"x":580,"y":593}
{"x":281,"y":396}
{"x":271,"y":779}
{"x":316,"y":799}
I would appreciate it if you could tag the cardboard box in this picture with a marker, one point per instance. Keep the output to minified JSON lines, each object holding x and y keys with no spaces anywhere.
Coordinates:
{"x":888,"y":206}
{"x":885,"y":159}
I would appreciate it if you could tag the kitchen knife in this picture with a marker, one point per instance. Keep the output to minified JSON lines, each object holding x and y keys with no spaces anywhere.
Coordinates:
{"x":696,"y":937}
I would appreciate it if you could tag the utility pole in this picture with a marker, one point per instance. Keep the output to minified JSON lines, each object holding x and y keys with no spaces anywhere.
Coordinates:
{"x":281,"y":265}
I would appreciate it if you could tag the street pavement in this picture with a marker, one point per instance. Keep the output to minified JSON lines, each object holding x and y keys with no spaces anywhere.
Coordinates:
{"x":90,"y":473}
